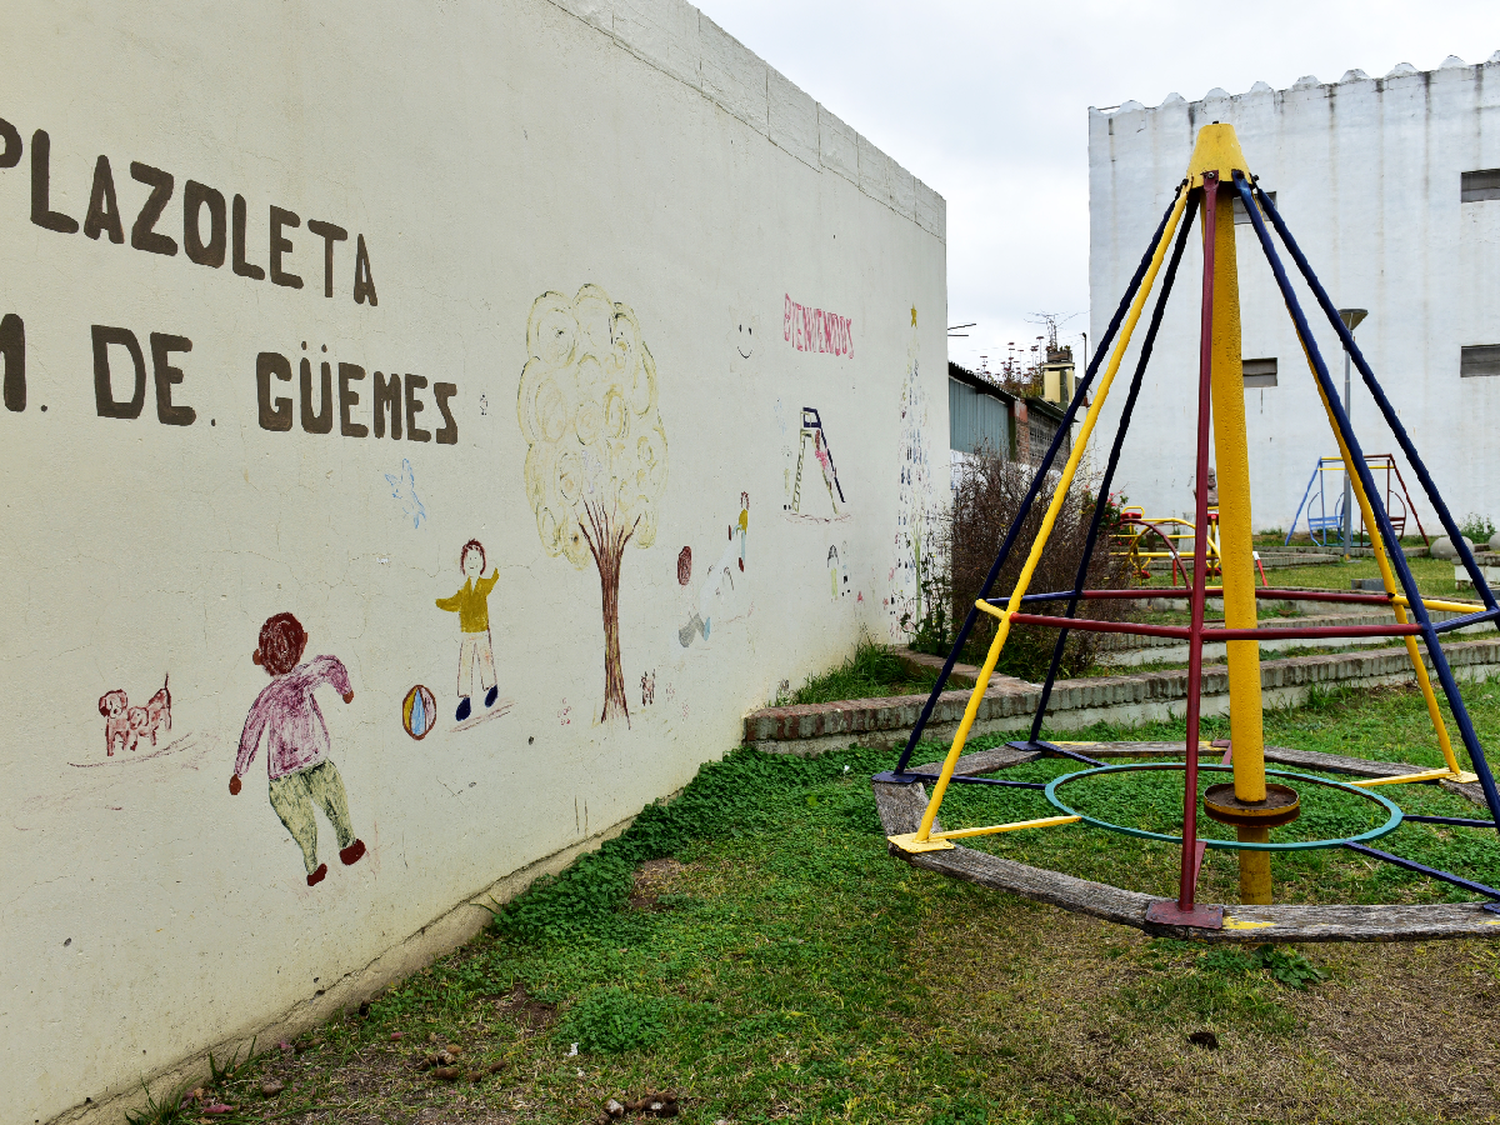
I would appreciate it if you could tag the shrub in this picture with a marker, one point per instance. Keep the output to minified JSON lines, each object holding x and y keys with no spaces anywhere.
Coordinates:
{"x":1476,"y":528}
{"x":988,"y":495}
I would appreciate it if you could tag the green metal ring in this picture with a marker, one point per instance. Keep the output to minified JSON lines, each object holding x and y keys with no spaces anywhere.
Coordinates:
{"x":1389,"y":826}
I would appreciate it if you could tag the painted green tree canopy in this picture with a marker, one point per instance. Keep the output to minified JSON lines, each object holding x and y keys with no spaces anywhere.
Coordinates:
{"x":596,"y":462}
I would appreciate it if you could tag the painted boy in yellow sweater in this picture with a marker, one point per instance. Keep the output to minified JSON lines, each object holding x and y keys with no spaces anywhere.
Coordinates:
{"x":471,"y":603}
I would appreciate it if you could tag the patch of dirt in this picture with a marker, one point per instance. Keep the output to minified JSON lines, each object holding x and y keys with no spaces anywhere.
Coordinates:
{"x":1400,"y":1031}
{"x":653,"y":879}
{"x":523,"y":1010}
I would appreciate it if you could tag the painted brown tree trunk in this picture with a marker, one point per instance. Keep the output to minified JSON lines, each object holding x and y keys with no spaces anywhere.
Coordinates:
{"x":607,"y":543}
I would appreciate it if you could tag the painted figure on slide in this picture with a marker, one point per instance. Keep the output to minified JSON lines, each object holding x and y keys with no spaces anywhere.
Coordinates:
{"x":471,"y":603}
{"x":297,"y":746}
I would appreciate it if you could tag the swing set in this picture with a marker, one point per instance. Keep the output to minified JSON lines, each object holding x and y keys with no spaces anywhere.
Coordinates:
{"x":1319,"y":526}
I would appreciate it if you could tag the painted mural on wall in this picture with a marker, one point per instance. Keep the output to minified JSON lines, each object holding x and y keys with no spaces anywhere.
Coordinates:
{"x":404,"y":488}
{"x":816,"y":330}
{"x":744,"y":340}
{"x":838,"y":574}
{"x":808,"y":460}
{"x":125,"y":726}
{"x":476,"y":654}
{"x":596,"y":458}
{"x":302,"y":776}
{"x":912,"y":540}
{"x":721,"y":595}
{"x":418,"y":712}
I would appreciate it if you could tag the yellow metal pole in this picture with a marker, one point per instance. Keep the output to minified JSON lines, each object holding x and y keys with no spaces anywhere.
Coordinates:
{"x":1218,"y":150}
{"x":1059,"y":495}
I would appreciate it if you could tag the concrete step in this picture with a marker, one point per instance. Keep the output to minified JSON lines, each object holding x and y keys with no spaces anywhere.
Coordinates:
{"x":814,"y":728}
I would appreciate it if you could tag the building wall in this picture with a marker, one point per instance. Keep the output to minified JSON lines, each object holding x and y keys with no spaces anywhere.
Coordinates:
{"x":979,"y":422}
{"x":612,"y":256}
{"x":1367,"y":175}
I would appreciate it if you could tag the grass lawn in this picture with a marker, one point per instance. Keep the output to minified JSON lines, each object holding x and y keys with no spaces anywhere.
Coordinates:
{"x":753,"y":951}
{"x":873,"y":672}
{"x":1434,"y":576}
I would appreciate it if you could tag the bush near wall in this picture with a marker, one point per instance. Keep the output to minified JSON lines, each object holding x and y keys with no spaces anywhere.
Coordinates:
{"x":988,"y":494}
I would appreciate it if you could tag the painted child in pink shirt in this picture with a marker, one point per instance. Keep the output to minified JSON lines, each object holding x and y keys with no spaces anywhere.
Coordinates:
{"x":297,"y":742}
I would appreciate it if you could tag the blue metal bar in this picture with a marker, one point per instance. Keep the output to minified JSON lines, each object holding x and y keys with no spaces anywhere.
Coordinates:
{"x":905,"y":777}
{"x":1114,"y":460}
{"x":1316,"y":470}
{"x":1423,"y":869}
{"x":1035,"y":744}
{"x":1367,"y":480}
{"x":1392,"y":419}
{"x":1466,"y":620}
{"x":1458,"y":821}
{"x":1100,"y":352}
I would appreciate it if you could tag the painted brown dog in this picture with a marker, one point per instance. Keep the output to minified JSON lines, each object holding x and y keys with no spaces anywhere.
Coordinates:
{"x":126,"y":724}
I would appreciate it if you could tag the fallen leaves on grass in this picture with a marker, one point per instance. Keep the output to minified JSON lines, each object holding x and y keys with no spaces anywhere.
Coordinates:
{"x":648,"y":1105}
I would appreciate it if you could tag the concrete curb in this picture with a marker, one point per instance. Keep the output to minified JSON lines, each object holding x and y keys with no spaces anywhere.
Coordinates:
{"x":814,"y":728}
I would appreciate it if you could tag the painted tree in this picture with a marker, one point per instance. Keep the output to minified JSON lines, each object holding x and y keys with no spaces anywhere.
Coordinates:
{"x":596,"y":461}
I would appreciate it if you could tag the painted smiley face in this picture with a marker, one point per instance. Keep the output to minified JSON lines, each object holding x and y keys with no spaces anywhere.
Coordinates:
{"x":745,"y":344}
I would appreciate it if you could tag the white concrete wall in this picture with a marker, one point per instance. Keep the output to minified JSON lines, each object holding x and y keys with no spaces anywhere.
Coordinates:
{"x":1366,"y":173}
{"x":486,"y":154}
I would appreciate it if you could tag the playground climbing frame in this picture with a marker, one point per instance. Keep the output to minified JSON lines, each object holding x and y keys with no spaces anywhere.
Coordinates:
{"x":1217,"y":173}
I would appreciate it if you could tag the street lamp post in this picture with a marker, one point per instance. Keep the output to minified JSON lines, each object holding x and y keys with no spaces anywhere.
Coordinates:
{"x":1351,"y":319}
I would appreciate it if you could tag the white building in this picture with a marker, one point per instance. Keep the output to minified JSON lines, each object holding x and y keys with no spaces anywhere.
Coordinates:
{"x":1392,"y":188}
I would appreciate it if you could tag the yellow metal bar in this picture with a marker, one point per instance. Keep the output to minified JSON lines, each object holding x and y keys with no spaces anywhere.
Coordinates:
{"x":1425,"y":775}
{"x":1059,"y":495}
{"x":1255,"y":866}
{"x":939,"y":841}
{"x":1438,"y":604}
{"x":1043,"y":822}
{"x":1388,"y":577}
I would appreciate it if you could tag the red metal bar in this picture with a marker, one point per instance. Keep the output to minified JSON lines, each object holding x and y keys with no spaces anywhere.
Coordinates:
{"x":1200,"y":552}
{"x":1410,"y":507}
{"x":1327,"y":596}
{"x":1411,"y":629}
{"x":1211,"y":633}
{"x":1279,"y":594}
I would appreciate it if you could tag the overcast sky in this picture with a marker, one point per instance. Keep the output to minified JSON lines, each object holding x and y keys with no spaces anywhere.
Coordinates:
{"x":988,"y":104}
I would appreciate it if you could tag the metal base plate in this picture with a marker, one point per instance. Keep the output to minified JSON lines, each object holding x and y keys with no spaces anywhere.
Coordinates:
{"x":1280,"y":806}
{"x":1168,"y":913}
{"x":909,"y":843}
{"x":891,"y":777}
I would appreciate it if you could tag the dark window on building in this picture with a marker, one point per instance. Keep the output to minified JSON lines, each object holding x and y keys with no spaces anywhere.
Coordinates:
{"x":1260,"y":372}
{"x":1041,"y":430}
{"x":1483,"y":359}
{"x":1240,"y":215}
{"x":1474,"y":186}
